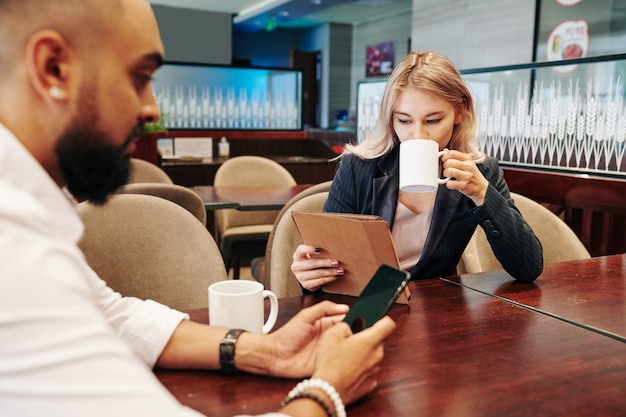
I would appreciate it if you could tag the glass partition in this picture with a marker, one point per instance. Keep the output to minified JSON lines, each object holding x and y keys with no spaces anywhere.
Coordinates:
{"x":564,"y":116}
{"x":368,"y":96}
{"x":543,"y":115}
{"x":223,"y":97}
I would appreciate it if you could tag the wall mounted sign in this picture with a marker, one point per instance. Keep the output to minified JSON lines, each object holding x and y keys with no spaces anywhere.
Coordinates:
{"x":589,"y":28}
{"x":379,"y":59}
{"x":568,"y":40}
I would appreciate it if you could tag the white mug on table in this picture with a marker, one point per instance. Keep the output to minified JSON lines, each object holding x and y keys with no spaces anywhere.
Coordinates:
{"x":239,"y":304}
{"x":419,"y":166}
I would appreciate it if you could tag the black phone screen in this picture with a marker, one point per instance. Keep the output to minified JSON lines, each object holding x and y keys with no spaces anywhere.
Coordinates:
{"x":376,"y":298}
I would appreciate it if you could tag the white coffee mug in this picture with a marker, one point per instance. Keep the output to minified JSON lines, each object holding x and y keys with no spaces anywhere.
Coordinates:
{"x":239,"y":304}
{"x":419,"y":166}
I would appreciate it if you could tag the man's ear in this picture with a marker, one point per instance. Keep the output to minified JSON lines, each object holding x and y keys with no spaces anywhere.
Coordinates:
{"x":49,"y":62}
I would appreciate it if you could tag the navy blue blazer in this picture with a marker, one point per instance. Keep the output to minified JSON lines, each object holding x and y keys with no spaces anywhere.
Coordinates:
{"x":371,"y":187}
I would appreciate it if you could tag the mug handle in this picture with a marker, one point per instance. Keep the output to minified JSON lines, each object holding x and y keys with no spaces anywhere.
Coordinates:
{"x":271,"y":320}
{"x":442,"y":180}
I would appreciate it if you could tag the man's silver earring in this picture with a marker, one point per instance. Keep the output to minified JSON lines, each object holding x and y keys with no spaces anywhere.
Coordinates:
{"x":56,"y":93}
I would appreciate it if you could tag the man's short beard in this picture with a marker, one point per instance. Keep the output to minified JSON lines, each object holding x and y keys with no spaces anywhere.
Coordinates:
{"x":92,"y":167}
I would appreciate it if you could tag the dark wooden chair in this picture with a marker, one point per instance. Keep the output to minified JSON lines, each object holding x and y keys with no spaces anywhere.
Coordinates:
{"x":598,"y":217}
{"x":594,"y":207}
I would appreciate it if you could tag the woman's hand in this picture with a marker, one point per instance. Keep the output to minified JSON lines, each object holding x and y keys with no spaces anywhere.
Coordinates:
{"x":464,"y":176}
{"x":312,"y":269}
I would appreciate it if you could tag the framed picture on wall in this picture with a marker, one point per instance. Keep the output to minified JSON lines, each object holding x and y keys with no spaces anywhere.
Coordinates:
{"x":571,"y":29}
{"x":379,"y":59}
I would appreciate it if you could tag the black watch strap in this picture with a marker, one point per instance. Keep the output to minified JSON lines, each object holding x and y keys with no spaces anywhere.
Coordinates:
{"x":227,"y":351}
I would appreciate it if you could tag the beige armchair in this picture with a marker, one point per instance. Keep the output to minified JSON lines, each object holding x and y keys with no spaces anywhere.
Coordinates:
{"x":178,"y":194}
{"x":286,"y":239}
{"x":243,"y":235}
{"x":144,"y":171}
{"x":260,"y":266}
{"x":559,"y":242}
{"x":148,"y":247}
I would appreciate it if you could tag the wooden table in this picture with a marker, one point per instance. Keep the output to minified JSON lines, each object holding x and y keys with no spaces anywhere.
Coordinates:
{"x":458,"y":351}
{"x":244,"y":198}
{"x":247,"y":198}
{"x":589,"y":293}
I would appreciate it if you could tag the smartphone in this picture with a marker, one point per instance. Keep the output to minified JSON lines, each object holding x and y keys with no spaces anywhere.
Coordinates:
{"x":376,"y":298}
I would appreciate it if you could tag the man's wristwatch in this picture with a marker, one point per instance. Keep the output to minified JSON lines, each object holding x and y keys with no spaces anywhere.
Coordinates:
{"x":227,"y":351}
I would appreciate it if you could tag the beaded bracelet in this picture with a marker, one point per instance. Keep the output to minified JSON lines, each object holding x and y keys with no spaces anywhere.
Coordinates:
{"x":316,"y":383}
{"x":322,"y":403}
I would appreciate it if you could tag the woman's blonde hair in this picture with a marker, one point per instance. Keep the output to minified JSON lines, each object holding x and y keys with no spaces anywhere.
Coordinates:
{"x":429,"y":72}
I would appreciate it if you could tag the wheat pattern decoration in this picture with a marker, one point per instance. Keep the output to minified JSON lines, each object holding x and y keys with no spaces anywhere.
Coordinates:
{"x":558,"y":127}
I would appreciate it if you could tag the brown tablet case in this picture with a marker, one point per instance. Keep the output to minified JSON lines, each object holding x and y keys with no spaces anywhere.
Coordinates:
{"x":360,"y":242}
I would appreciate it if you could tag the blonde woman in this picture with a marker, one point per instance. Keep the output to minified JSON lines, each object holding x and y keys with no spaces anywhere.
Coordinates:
{"x":75,"y":91}
{"x":426,"y":97}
